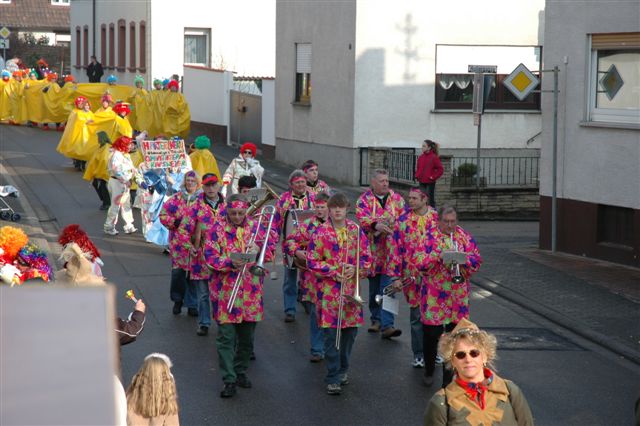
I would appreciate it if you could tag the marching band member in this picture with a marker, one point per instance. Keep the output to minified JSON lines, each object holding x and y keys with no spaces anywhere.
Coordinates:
{"x":297,"y":197}
{"x":199,"y":219}
{"x":246,"y":183}
{"x":296,"y":247}
{"x":121,"y":173}
{"x":171,"y":215}
{"x":444,"y":298}
{"x":333,"y":254}
{"x":233,"y":233}
{"x":243,"y":165}
{"x":411,"y":234}
{"x":377,"y":210}
{"x":314,"y":184}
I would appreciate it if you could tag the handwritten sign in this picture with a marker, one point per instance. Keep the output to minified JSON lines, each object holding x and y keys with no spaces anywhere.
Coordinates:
{"x":163,"y":154}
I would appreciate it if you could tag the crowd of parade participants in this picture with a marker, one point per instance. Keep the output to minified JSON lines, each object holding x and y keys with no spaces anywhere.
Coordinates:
{"x":222,"y":233}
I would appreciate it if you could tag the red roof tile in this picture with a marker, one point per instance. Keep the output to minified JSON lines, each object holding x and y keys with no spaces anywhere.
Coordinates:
{"x":35,"y":15}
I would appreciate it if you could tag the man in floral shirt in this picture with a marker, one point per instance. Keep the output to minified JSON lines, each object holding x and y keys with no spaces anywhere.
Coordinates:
{"x":298,"y":197}
{"x":444,"y":297}
{"x":237,"y":319}
{"x":338,"y":253}
{"x":411,"y":233}
{"x":199,"y":220}
{"x":378,"y":210}
{"x":296,"y":247}
{"x":315,"y":185}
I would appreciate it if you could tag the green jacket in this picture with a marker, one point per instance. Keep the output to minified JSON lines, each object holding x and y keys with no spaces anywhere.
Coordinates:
{"x":504,"y":405}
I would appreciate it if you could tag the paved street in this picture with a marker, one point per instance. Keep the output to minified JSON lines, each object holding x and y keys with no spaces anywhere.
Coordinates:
{"x":581,"y":374}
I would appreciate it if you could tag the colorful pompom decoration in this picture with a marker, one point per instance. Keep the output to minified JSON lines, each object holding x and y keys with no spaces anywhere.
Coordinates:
{"x":12,"y":240}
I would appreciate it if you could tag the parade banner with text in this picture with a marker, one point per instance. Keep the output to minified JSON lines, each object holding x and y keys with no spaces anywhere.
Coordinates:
{"x":164,"y":154}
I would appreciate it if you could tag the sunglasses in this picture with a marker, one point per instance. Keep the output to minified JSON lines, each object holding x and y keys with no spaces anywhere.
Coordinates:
{"x":475,"y":353}
{"x":248,"y":152}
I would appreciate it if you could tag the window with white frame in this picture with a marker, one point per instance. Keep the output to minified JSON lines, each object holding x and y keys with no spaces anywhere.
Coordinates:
{"x":454,"y":84}
{"x":61,"y":2}
{"x":303,"y":73}
{"x":614,"y":83}
{"x":197,"y":46}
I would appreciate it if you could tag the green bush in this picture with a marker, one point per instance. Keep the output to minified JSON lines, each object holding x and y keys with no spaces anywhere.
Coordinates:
{"x":467,"y":170}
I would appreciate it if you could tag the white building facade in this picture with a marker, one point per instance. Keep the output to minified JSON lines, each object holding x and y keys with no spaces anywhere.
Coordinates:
{"x":391,"y":74}
{"x":597,"y":48}
{"x":155,"y":38}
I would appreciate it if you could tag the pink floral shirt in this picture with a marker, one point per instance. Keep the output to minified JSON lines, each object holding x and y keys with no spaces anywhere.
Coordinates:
{"x":325,"y":256}
{"x":223,"y":239}
{"x":288,"y":202}
{"x":320,"y":186}
{"x":411,"y":235}
{"x":370,"y":211}
{"x":442,"y":301}
{"x":201,"y":215}
{"x":171,"y":216}
{"x":299,"y":240}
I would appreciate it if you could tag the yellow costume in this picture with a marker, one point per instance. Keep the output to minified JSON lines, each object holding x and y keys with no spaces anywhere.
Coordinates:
{"x":97,"y":165}
{"x":203,"y":161}
{"x":76,"y":135}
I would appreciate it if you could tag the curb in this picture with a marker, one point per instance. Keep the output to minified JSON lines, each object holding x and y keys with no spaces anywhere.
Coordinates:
{"x":557,"y":318}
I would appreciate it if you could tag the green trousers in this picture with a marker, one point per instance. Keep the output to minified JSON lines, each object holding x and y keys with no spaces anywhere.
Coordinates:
{"x":235,"y":346}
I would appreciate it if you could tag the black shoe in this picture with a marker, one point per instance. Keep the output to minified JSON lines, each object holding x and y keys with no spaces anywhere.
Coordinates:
{"x":243,"y":381}
{"x":104,"y":207}
{"x":202,"y":330}
{"x":228,"y":391}
{"x":253,"y":356}
{"x":289,"y":318}
{"x":193,"y":312}
{"x":177,"y":308}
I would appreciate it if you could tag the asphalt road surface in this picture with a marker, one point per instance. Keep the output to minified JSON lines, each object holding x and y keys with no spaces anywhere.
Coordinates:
{"x":567,"y":380}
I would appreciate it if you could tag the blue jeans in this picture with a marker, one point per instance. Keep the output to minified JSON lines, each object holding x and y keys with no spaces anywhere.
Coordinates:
{"x":338,"y":362}
{"x":204,"y":303}
{"x":290,"y":290}
{"x":377,"y":284}
{"x":416,"y":331}
{"x":315,"y":332}
{"x":181,"y":291}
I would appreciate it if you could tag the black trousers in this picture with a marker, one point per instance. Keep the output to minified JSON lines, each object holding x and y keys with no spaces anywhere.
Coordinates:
{"x":430,"y":189}
{"x":431,"y":335}
{"x":101,"y":188}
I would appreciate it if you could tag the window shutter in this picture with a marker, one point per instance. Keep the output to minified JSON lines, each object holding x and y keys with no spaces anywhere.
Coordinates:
{"x":303,"y":58}
{"x":615,"y":41}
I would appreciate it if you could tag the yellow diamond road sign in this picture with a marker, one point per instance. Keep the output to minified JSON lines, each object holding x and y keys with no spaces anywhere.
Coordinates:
{"x":4,"y":32}
{"x":521,"y":82}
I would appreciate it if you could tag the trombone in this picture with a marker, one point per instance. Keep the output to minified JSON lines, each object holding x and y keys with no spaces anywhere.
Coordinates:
{"x":266,"y":210}
{"x":355,"y":298}
{"x":390,"y":289}
{"x":268,"y":196}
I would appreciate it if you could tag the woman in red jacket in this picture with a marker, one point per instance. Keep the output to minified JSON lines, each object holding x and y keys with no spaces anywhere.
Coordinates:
{"x":429,"y":170}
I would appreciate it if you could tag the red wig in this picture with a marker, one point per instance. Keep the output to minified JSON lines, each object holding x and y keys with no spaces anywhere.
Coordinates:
{"x":79,"y":101}
{"x":106,"y":97}
{"x":122,"y":108}
{"x":68,"y":78}
{"x":172,"y":84}
{"x":74,"y":234}
{"x":122,"y":144}
{"x":52,"y":76}
{"x":249,"y":145}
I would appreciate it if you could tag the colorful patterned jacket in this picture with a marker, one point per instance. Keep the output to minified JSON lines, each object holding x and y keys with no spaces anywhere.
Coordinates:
{"x":286,"y":203}
{"x":411,"y":234}
{"x":326,"y":256}
{"x":441,"y":300}
{"x":225,"y":238}
{"x":320,"y":186}
{"x":197,"y":223}
{"x":172,"y":214}
{"x":299,"y":240}
{"x":369,"y":211}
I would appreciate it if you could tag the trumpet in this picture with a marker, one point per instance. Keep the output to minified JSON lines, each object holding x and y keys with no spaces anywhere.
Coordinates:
{"x":391,"y":289}
{"x":268,"y":196}
{"x":457,"y":278}
{"x":236,"y":286}
{"x":355,"y":298}
{"x":258,"y":269}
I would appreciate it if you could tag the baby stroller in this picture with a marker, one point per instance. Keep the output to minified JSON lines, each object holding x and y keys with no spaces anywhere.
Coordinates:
{"x":6,"y":212}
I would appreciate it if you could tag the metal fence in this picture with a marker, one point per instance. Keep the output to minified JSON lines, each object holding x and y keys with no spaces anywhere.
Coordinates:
{"x":497,"y":171}
{"x":493,"y":171}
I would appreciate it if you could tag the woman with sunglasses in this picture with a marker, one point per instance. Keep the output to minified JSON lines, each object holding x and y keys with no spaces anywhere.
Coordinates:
{"x":243,"y":165}
{"x":477,"y":395}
